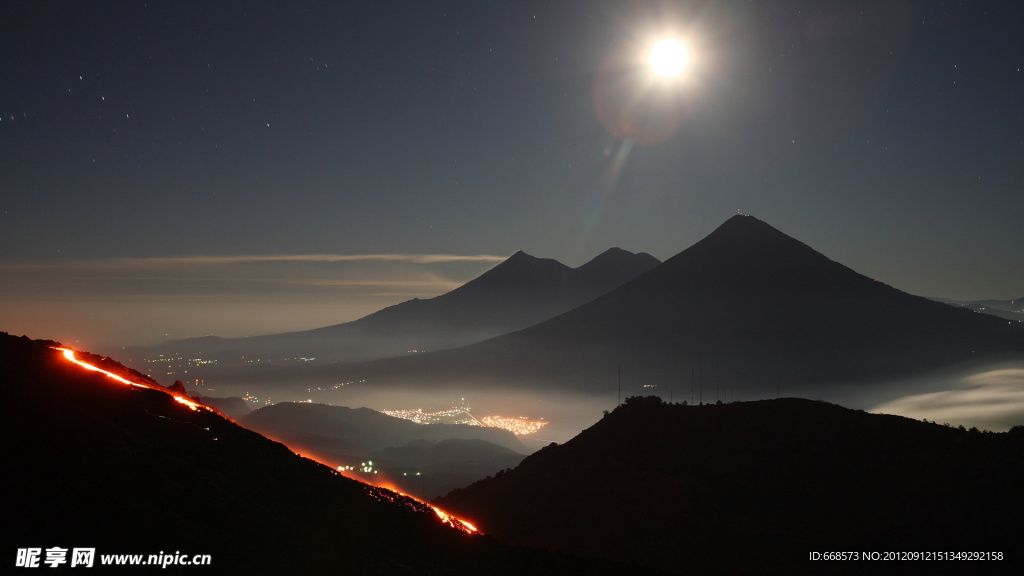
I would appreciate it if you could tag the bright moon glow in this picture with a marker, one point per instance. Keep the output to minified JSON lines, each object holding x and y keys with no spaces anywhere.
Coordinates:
{"x":668,"y":58}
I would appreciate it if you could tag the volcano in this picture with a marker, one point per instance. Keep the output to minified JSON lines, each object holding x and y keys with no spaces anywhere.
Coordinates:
{"x":519,"y":292}
{"x":747,"y":305}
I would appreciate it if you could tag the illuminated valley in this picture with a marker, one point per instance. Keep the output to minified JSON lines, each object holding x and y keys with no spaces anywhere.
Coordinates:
{"x":518,"y":425}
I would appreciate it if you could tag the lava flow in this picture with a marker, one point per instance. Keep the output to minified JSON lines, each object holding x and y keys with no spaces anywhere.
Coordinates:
{"x":452,"y":520}
{"x":390,"y":492}
{"x":386,"y":492}
{"x":70,"y":355}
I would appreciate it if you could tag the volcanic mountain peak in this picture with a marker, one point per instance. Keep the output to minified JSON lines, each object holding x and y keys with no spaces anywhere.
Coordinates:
{"x":612,"y":263}
{"x":521,"y":255}
{"x":747,"y":241}
{"x":747,"y":259}
{"x":520,"y":291}
{"x":615,"y":254}
{"x":771,"y":311}
{"x":519,"y":269}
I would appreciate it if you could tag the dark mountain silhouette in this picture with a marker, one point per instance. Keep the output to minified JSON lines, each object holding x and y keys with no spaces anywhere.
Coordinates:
{"x":450,"y":455}
{"x":754,"y":487}
{"x":747,"y":302}
{"x":519,"y":292}
{"x":96,"y":464}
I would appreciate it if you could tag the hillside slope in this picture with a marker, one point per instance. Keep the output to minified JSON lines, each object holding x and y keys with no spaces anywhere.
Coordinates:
{"x":754,"y":487}
{"x":91,"y":462}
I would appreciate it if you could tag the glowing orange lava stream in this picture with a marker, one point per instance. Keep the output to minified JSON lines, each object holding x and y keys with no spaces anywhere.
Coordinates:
{"x":70,"y":355}
{"x":444,"y":516}
{"x":454,"y":522}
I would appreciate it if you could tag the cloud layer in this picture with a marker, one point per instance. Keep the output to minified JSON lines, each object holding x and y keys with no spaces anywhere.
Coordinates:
{"x":991,"y":399}
{"x":144,"y":300}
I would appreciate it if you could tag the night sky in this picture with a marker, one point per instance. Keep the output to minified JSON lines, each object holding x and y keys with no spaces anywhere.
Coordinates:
{"x":175,"y":169}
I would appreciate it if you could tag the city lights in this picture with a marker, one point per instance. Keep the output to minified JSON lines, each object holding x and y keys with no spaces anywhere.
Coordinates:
{"x":519,"y":425}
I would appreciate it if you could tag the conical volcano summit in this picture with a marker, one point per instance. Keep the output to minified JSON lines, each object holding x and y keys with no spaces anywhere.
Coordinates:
{"x":747,"y":308}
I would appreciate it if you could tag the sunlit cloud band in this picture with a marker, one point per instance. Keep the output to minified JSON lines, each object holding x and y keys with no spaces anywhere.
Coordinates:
{"x":257,"y":258}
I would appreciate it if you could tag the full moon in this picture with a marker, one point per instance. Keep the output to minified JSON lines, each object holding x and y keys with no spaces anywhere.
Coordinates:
{"x":668,"y":58}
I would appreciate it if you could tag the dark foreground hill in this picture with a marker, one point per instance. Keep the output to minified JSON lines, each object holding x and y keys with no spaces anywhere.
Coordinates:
{"x":753,"y":488}
{"x":91,"y":463}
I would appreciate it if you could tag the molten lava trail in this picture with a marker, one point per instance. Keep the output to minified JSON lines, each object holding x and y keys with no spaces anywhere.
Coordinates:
{"x":389,"y":492}
{"x":70,"y":356}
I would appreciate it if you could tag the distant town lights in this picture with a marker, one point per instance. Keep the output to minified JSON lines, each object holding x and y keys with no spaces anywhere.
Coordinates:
{"x":461,"y":415}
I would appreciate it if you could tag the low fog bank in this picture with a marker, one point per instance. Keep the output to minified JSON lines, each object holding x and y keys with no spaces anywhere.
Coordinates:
{"x":989,"y":400}
{"x":985,"y":396}
{"x":567,"y":414}
{"x":988,"y":396}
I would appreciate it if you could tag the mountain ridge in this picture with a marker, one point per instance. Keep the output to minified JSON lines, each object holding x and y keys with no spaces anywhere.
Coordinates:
{"x":760,"y":308}
{"x":519,"y":291}
{"x":752,"y":487}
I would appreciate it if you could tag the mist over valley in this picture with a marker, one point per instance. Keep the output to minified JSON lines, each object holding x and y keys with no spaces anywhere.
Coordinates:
{"x":747,"y":313}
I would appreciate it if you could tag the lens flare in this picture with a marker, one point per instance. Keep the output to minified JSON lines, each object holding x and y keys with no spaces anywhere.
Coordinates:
{"x":644,"y":91}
